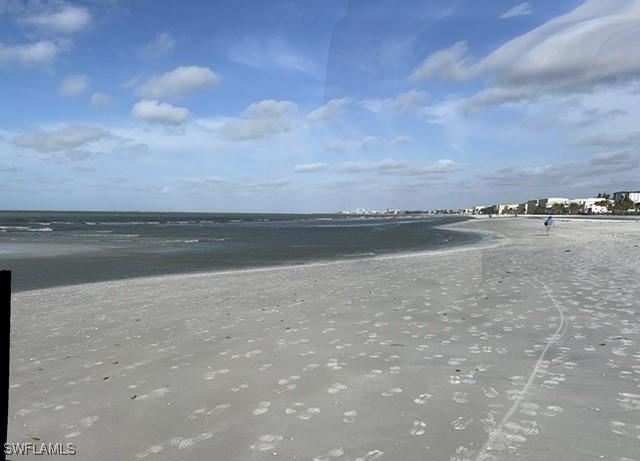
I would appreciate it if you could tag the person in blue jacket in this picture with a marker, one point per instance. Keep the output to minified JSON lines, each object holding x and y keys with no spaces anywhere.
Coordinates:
{"x":548,"y":223}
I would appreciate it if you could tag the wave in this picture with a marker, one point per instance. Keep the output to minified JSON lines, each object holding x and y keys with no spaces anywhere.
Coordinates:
{"x":25,"y":229}
{"x":183,"y":241}
{"x":126,"y":223}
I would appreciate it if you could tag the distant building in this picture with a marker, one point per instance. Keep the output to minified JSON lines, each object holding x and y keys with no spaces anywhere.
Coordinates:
{"x":493,"y":209}
{"x":508,"y":208}
{"x":634,"y":195}
{"x":590,"y":206}
{"x":522,"y":208}
{"x":551,"y":201}
{"x":532,"y":206}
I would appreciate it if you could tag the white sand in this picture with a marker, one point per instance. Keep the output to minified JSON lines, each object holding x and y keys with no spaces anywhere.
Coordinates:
{"x":526,"y":350}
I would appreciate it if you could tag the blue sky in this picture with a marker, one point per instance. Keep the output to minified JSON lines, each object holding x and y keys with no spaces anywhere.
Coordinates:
{"x":315,"y":105}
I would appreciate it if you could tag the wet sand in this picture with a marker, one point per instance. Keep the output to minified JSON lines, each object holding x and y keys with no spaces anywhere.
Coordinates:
{"x":525,"y":349}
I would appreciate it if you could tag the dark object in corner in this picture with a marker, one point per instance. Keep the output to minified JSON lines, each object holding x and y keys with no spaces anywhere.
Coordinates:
{"x":5,"y":307}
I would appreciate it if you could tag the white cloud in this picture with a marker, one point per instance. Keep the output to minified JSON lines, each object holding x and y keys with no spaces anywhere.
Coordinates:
{"x":74,"y":85}
{"x":327,"y":111}
{"x":254,"y":129}
{"x":4,"y":168}
{"x":100,"y":99}
{"x":310,"y":168}
{"x":264,"y":118}
{"x":269,"y":108}
{"x":369,"y":141}
{"x":40,"y":53}
{"x":400,"y":141}
{"x":446,"y":64}
{"x":159,"y":112}
{"x":337,"y":145}
{"x":160,"y":45}
{"x":265,"y":53}
{"x":403,"y":103}
{"x":68,"y":19}
{"x":66,"y":138}
{"x":625,"y":139}
{"x":609,"y":167}
{"x":624,"y":158}
{"x":576,"y":52}
{"x":221,"y":185}
{"x":521,"y":9}
{"x":179,"y":82}
{"x":403,"y":168}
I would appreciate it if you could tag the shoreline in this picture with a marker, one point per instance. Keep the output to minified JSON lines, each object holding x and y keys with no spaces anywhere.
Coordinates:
{"x":489,"y":239}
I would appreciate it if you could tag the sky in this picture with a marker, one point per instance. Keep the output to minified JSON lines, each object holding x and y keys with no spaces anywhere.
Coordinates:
{"x":315,"y":105}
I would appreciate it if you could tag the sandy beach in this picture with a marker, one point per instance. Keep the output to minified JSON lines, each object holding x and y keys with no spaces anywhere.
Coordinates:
{"x":525,"y":348}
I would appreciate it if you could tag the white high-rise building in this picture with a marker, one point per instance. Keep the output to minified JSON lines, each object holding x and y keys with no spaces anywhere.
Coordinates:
{"x":634,"y":195}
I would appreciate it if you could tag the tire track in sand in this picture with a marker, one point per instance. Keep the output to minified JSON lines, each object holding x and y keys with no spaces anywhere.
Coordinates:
{"x":559,"y":333}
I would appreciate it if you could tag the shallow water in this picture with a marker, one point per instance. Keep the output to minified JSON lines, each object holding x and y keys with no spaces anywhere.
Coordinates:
{"x":46,"y":249}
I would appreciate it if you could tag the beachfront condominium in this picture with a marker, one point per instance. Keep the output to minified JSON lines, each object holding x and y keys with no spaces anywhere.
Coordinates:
{"x":550,"y":202}
{"x":508,"y":208}
{"x":544,"y":205}
{"x":591,"y":205}
{"x":633,"y":195}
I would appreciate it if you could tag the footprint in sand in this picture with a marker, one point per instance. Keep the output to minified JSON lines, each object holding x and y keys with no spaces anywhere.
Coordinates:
{"x":371,"y":456}
{"x":337,"y":387}
{"x":335,"y":453}
{"x":390,"y":392}
{"x":460,"y":423}
{"x":239,"y":388}
{"x":418,"y":428}
{"x":263,"y":407}
{"x":460,"y":397}
{"x":189,"y":442}
{"x":529,"y":427}
{"x":309,"y":413}
{"x":154,"y":394}
{"x":529,"y":408}
{"x":422,"y":398}
{"x":490,"y":393}
{"x":628,"y":401}
{"x":212,"y":374}
{"x":350,"y":416}
{"x":552,"y":410}
{"x":83,"y":425}
{"x":291,"y":411}
{"x":287,"y":383}
{"x":195,"y":413}
{"x":618,"y":427}
{"x":266,"y":442}
{"x":334,"y":364}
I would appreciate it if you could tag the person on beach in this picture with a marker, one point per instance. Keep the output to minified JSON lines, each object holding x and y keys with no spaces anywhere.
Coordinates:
{"x":548,"y":224}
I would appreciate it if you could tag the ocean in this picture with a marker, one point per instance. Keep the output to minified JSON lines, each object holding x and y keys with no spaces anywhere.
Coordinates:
{"x":46,"y":249}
